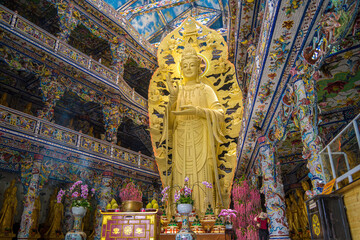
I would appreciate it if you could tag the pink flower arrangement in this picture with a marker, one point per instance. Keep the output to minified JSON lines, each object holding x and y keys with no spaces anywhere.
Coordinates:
{"x":80,"y":196}
{"x":228,"y":214}
{"x":184,"y":194}
{"x":246,"y":200}
{"x":130,"y":192}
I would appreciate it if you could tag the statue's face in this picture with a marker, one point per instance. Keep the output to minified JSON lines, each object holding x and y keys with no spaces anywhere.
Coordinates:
{"x":190,"y":68}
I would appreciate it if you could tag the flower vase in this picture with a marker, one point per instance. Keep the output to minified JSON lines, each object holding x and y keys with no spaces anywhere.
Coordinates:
{"x":76,"y":233}
{"x":228,"y":223}
{"x":185,"y":232}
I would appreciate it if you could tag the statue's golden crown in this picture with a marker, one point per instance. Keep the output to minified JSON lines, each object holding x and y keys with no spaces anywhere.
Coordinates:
{"x":189,"y":52}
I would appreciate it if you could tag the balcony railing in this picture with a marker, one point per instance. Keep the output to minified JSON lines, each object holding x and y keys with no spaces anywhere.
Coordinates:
{"x":45,"y":39}
{"x":39,"y":128}
{"x":340,"y":159}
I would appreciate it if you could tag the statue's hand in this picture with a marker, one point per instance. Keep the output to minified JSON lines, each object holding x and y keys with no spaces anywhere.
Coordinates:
{"x":190,"y":110}
{"x":172,"y":89}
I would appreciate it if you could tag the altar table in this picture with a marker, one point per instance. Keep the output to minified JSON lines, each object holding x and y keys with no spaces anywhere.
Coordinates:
{"x":130,"y":225}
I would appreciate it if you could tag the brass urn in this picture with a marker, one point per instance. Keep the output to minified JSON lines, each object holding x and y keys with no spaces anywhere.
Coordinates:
{"x":131,"y":206}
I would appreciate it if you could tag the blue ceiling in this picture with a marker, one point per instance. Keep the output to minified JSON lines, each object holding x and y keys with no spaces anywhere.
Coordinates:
{"x":153,"y":19}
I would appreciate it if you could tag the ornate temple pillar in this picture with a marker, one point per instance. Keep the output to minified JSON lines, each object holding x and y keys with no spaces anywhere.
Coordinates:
{"x":104,"y":198}
{"x":306,"y":119}
{"x":117,"y":47}
{"x":274,"y":194}
{"x":52,"y":90}
{"x":112,"y":119}
{"x":68,"y":22}
{"x":29,"y":213}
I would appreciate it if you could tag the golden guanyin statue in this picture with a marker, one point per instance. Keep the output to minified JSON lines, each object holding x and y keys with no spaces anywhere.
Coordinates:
{"x":195,"y":112}
{"x":289,"y":216}
{"x":55,"y":225}
{"x":35,"y":219}
{"x":3,"y":100}
{"x":303,"y":214}
{"x":28,"y":109}
{"x":52,"y":202}
{"x":8,"y":210}
{"x":295,"y":214}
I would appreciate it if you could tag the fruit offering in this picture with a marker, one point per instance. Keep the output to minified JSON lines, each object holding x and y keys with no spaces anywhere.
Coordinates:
{"x":152,"y":204}
{"x":112,"y":205}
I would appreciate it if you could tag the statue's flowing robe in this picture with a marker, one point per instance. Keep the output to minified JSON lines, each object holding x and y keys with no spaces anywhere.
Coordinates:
{"x":195,"y":142}
{"x":7,"y":213}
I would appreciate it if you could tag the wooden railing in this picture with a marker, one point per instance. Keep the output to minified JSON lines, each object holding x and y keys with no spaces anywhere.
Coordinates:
{"x":47,"y":40}
{"x":39,"y":128}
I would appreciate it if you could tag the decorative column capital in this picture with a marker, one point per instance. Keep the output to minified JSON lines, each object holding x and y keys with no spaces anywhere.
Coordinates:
{"x":38,"y":157}
{"x":108,"y":172}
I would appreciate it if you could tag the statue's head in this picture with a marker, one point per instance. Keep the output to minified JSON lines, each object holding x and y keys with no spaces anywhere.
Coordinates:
{"x":190,"y":63}
{"x":14,"y":190}
{"x":4,"y":96}
{"x":292,"y":197}
{"x":12,"y":183}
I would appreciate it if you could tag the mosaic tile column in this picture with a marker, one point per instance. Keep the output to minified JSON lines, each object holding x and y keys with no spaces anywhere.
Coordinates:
{"x":68,"y":219}
{"x":112,"y":119}
{"x":274,"y":195}
{"x":67,"y":20}
{"x":117,"y":47}
{"x":305,"y":117}
{"x":52,"y":91}
{"x":30,"y":198}
{"x":103,"y":199}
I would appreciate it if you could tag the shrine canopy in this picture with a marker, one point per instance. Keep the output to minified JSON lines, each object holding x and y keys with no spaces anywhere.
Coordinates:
{"x":155,"y":19}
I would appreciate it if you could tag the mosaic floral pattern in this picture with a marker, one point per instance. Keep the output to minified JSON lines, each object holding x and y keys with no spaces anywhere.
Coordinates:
{"x":280,"y":50}
{"x":292,"y":6}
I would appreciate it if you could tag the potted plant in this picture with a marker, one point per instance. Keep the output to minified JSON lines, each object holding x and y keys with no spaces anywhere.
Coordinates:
{"x":131,"y":197}
{"x":183,"y":195}
{"x":183,"y":200}
{"x":227,"y":214}
{"x":80,"y":195}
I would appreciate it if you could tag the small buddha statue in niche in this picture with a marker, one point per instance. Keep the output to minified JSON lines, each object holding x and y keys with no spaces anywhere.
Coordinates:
{"x":35,"y":219}
{"x":55,"y":229}
{"x":52,"y":202}
{"x":3,"y":100}
{"x":302,"y":213}
{"x":71,"y":124}
{"x":289,"y":216}
{"x":8,"y":210}
{"x":91,"y":131}
{"x":28,"y":109}
{"x":295,"y":213}
{"x":8,"y":190}
{"x":94,"y":223}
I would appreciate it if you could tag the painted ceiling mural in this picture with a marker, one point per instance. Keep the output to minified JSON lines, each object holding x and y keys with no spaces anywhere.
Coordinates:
{"x":154,"y":19}
{"x":338,"y":86}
